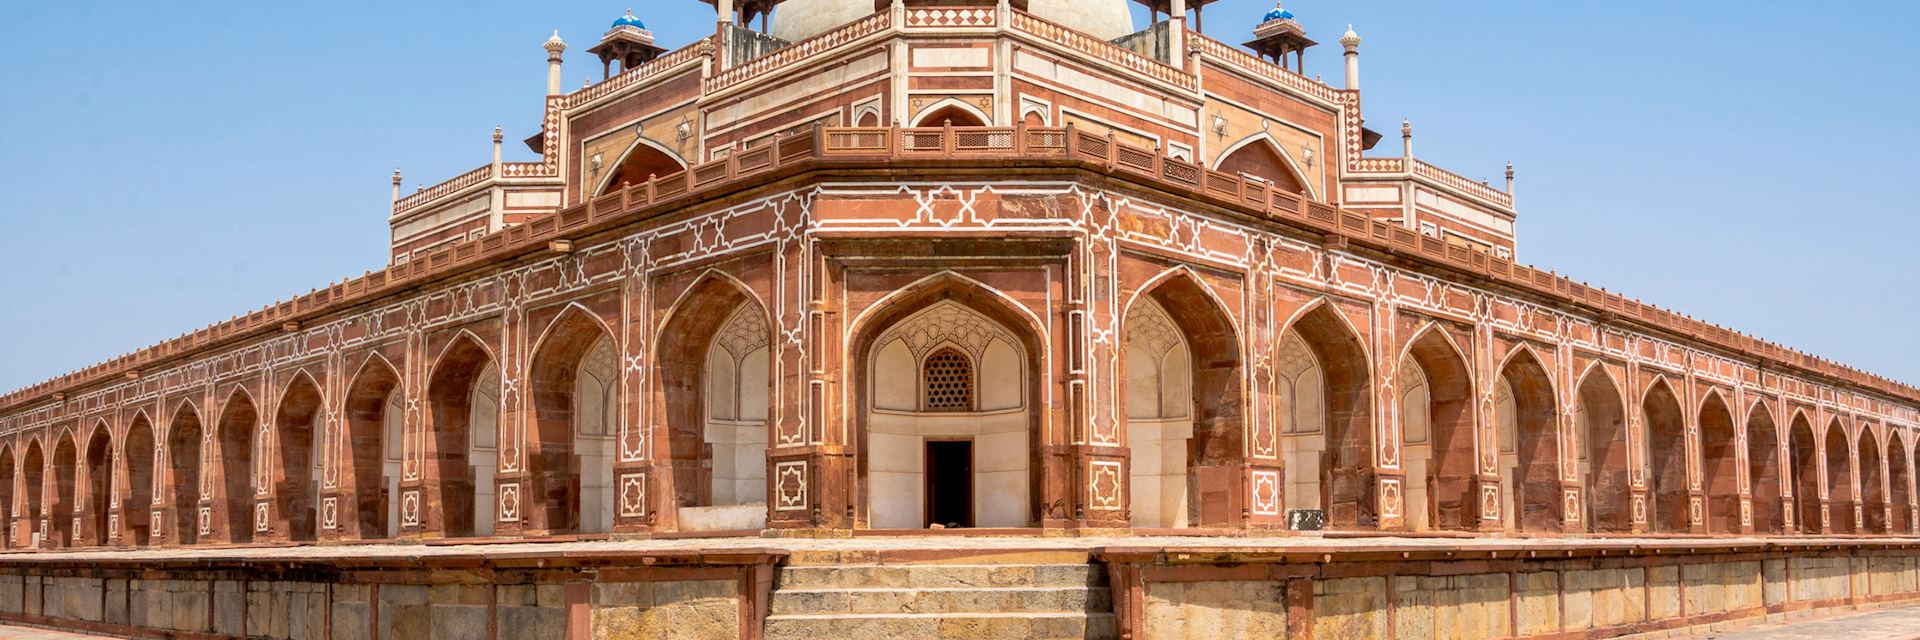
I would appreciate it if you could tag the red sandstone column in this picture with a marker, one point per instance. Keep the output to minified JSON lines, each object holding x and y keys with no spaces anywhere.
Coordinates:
{"x":510,"y":478}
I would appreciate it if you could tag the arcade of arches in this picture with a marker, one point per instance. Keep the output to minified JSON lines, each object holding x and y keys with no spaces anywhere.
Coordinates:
{"x":952,"y":404}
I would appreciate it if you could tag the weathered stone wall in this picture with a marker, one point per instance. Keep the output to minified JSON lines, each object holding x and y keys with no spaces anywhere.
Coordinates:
{"x":1466,"y":599}
{"x":1201,"y":610}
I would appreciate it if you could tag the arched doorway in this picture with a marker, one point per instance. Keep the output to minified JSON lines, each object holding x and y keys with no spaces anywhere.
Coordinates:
{"x":574,"y":385}
{"x":99,"y":484}
{"x":1667,"y":458}
{"x":946,"y":386}
{"x":1899,"y":478}
{"x":643,"y":162}
{"x":1186,"y":454}
{"x":295,"y":425}
{"x":136,"y":512}
{"x":371,"y":483}
{"x":1765,"y":480}
{"x":714,"y":380}
{"x":1325,"y":394}
{"x":1873,"y":493}
{"x":463,"y":403}
{"x":183,"y":445}
{"x":238,"y":422}
{"x":1529,"y":444}
{"x":948,"y":431}
{"x":1259,"y":158}
{"x":1840,"y":500}
{"x":1600,"y":421}
{"x":1437,"y":434}
{"x":65,"y":476}
{"x":1719,"y":465}
{"x":35,"y":470}
{"x":1804,"y":456}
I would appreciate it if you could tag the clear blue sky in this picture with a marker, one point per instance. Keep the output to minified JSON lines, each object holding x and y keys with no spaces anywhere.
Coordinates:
{"x":166,"y":165}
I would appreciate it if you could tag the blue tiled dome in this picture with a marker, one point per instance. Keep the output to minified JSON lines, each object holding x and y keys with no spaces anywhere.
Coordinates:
{"x":1277,"y":14}
{"x":629,"y":21}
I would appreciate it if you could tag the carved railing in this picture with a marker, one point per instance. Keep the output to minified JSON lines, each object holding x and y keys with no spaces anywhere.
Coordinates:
{"x":476,"y":177}
{"x":994,"y":147}
{"x":800,"y":51}
{"x":1462,"y":184}
{"x":633,"y":76}
{"x":1247,"y":62}
{"x":1101,"y":49}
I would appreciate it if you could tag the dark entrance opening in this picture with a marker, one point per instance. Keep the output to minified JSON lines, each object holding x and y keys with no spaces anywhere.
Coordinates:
{"x":950,"y":483}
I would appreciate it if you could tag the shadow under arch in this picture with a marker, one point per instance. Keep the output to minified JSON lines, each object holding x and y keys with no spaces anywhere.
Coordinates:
{"x":1600,"y":416}
{"x":184,"y":439}
{"x":1804,"y":465}
{"x":1873,"y":494}
{"x":1534,"y":482}
{"x":1451,"y":482}
{"x":681,"y":385}
{"x":1840,"y":473}
{"x":561,"y":483}
{"x":1719,"y":464}
{"x":239,"y":419}
{"x":136,"y":512}
{"x":460,"y":440}
{"x":363,"y":482}
{"x":1764,"y":478}
{"x":1216,"y":453}
{"x":1666,"y":431}
{"x":296,"y":426}
{"x":1347,"y":475}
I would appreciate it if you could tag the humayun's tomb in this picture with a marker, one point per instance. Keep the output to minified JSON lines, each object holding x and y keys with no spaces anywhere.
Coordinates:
{"x":890,"y":318}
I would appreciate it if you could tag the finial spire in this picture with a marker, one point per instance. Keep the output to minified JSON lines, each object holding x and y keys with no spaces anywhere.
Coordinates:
{"x":1406,"y":139}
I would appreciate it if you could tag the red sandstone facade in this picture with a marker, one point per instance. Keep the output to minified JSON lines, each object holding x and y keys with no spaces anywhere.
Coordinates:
{"x":1051,"y":189}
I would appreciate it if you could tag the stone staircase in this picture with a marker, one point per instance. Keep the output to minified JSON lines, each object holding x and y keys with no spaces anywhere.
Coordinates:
{"x":967,"y":598}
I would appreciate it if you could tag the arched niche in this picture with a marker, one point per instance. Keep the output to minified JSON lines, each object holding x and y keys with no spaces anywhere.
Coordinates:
{"x":136,"y":512}
{"x":1326,"y":419}
{"x":1600,"y":423}
{"x":239,"y":419}
{"x":1159,"y":410}
{"x":373,"y":407}
{"x":1765,"y":480}
{"x":1667,"y":458}
{"x":643,"y":161}
{"x":1840,"y":473}
{"x":99,"y":484}
{"x":1437,"y":433}
{"x":296,"y":427}
{"x":1260,"y":156}
{"x":574,"y":396}
{"x":924,"y":463}
{"x":1529,"y":436}
{"x":1804,"y":463}
{"x":1873,"y":494}
{"x":184,"y":439}
{"x":463,"y":410}
{"x":1719,"y":465}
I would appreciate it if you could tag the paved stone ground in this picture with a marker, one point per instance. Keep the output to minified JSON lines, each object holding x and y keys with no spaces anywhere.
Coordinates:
{"x":1254,"y":543}
{"x":28,"y":633}
{"x":1886,"y":624}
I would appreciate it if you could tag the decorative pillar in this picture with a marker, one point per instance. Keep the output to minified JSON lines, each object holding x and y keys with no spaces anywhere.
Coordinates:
{"x":555,"y":47}
{"x":1351,"y":42}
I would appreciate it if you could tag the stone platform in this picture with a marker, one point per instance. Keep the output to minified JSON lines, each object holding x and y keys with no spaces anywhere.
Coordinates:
{"x":959,"y":586}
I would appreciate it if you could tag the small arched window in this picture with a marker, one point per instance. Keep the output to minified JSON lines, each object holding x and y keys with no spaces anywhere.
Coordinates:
{"x":947,"y":381}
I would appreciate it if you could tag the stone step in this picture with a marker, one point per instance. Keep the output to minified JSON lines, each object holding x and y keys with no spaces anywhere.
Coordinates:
{"x":941,"y":600}
{"x":986,"y":626}
{"x":941,"y":575}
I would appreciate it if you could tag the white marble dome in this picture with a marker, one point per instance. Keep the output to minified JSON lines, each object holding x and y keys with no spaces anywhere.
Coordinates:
{"x":797,"y":20}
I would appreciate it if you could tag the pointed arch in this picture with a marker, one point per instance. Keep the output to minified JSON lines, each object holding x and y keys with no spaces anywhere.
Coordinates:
{"x":642,"y":160}
{"x":99,"y":484}
{"x":1899,"y":482}
{"x":364,"y":478}
{"x":1803,"y":461}
{"x":1873,"y":493}
{"x":1157,"y":365}
{"x":1840,"y":475}
{"x":184,"y":439}
{"x":136,"y":511}
{"x":1600,"y":419}
{"x":1262,"y":156}
{"x":1216,"y":447}
{"x":1719,"y":463}
{"x":570,"y":486}
{"x":1764,"y":477}
{"x":951,"y":111}
{"x":34,"y":467}
{"x":239,"y":420}
{"x":462,"y":423}
{"x":1666,"y":428}
{"x":296,"y":430}
{"x":1020,"y":325}
{"x":65,"y":486}
{"x":1345,"y":467}
{"x":683,"y":381}
{"x":1437,"y":420}
{"x":1528,"y":415}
